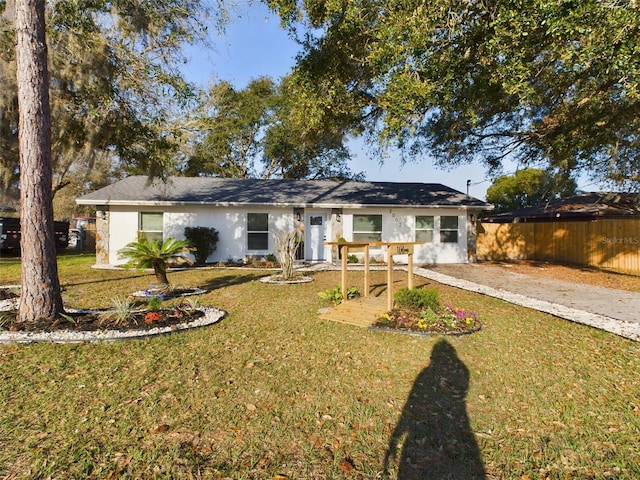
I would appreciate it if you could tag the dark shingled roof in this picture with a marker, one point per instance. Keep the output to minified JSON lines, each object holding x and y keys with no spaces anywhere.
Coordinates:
{"x":584,"y":206}
{"x":295,"y":193}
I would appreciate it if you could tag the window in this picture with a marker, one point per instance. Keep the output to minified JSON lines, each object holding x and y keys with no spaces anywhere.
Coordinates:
{"x":449,"y":229}
{"x":367,"y":228}
{"x":150,"y":226}
{"x":258,"y":231}
{"x":424,"y":228}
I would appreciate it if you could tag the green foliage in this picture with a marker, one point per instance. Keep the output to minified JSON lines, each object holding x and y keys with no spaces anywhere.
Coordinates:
{"x":203,"y":242}
{"x":271,"y":257}
{"x":417,"y":298}
{"x":232,"y":142}
{"x":334,"y":295}
{"x":252,"y":133}
{"x":157,"y":255}
{"x":186,"y":306}
{"x":121,"y":313}
{"x":429,"y":316}
{"x":154,"y":303}
{"x":352,"y":259}
{"x":532,"y":81}
{"x":443,"y":320}
{"x":115,"y":89}
{"x":528,"y":187}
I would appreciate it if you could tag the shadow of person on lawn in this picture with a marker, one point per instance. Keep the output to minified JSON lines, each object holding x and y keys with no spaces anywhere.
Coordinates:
{"x":433,"y":437}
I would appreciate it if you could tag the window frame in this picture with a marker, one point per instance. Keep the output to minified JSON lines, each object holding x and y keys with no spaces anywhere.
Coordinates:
{"x":425,"y":230}
{"x":449,"y":230}
{"x":150,"y":234}
{"x":254,"y":234}
{"x":376,"y":233}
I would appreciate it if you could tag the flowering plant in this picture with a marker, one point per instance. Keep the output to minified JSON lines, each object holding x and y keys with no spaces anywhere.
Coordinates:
{"x":455,"y":316}
{"x":154,"y":298}
{"x":151,"y":317}
{"x":185,"y":307}
{"x":444,"y":320}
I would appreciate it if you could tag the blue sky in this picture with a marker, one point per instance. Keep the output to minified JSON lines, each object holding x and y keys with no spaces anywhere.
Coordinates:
{"x":254,"y":45}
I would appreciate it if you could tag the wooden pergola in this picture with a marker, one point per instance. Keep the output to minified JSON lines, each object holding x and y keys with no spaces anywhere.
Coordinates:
{"x":393,"y":248}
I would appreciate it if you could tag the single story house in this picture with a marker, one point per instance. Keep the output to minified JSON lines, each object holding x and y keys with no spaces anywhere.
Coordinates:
{"x":248,"y":212}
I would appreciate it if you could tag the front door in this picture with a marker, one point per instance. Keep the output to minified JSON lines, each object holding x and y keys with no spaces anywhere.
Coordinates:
{"x":315,"y":236}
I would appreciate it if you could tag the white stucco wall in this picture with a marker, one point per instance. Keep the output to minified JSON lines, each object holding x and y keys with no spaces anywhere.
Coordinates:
{"x":398,"y":225}
{"x":230,"y":222}
{"x":123,"y":228}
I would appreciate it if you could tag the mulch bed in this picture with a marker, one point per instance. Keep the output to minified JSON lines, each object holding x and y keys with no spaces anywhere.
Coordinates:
{"x":94,"y":320}
{"x":409,"y":321}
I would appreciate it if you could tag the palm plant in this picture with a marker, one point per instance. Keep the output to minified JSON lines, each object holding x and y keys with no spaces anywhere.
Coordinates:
{"x":157,"y":255}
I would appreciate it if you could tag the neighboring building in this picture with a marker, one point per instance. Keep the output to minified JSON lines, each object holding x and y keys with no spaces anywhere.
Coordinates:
{"x":581,"y":207}
{"x":247,"y":212}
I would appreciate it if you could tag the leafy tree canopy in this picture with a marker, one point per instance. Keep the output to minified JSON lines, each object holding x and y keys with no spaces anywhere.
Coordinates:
{"x":255,"y":133}
{"x":527,"y":188}
{"x":532,"y":81}
{"x":115,"y":87}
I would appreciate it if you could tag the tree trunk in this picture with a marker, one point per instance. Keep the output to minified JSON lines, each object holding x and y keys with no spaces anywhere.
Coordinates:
{"x":160,"y":271}
{"x":40,"y":297}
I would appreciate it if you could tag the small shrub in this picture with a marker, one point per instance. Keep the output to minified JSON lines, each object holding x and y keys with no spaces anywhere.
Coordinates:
{"x":429,"y":315}
{"x":334,"y":295}
{"x":352,"y":292}
{"x":352,"y":259}
{"x":271,"y":258}
{"x":234,"y":262}
{"x":121,"y":313}
{"x":203,"y":242}
{"x":417,"y":298}
{"x":155,"y":302}
{"x":185,"y":307}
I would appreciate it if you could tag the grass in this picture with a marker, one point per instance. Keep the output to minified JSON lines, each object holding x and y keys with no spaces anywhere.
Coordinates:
{"x":272,"y":389}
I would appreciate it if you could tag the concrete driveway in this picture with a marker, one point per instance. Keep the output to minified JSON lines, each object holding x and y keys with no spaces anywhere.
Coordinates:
{"x":616,"y":311}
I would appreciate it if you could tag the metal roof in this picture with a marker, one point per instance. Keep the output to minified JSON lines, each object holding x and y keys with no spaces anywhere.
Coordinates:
{"x":140,"y":190}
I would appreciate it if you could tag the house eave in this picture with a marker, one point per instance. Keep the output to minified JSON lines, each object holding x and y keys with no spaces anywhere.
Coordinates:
{"x":164,"y":203}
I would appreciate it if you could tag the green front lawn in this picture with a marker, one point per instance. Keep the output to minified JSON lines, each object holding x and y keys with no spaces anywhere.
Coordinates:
{"x":272,"y":389}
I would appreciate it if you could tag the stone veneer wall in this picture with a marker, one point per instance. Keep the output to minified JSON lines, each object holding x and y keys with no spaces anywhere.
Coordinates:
{"x":102,"y":237}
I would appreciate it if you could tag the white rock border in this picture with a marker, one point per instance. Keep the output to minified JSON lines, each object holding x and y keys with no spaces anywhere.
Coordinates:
{"x":271,"y":280}
{"x":10,"y":303}
{"x":146,"y":293}
{"x":211,"y":316}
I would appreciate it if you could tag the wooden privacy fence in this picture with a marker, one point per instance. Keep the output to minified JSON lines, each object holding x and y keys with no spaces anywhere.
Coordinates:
{"x":611,"y":244}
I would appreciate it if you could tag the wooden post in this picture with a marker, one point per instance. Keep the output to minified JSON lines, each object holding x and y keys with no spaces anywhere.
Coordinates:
{"x":367,"y":284}
{"x":410,"y":267}
{"x":344,"y":250}
{"x":389,"y":279}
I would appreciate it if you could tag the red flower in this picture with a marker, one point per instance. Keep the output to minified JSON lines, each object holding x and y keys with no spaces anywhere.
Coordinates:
{"x":151,"y":317}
